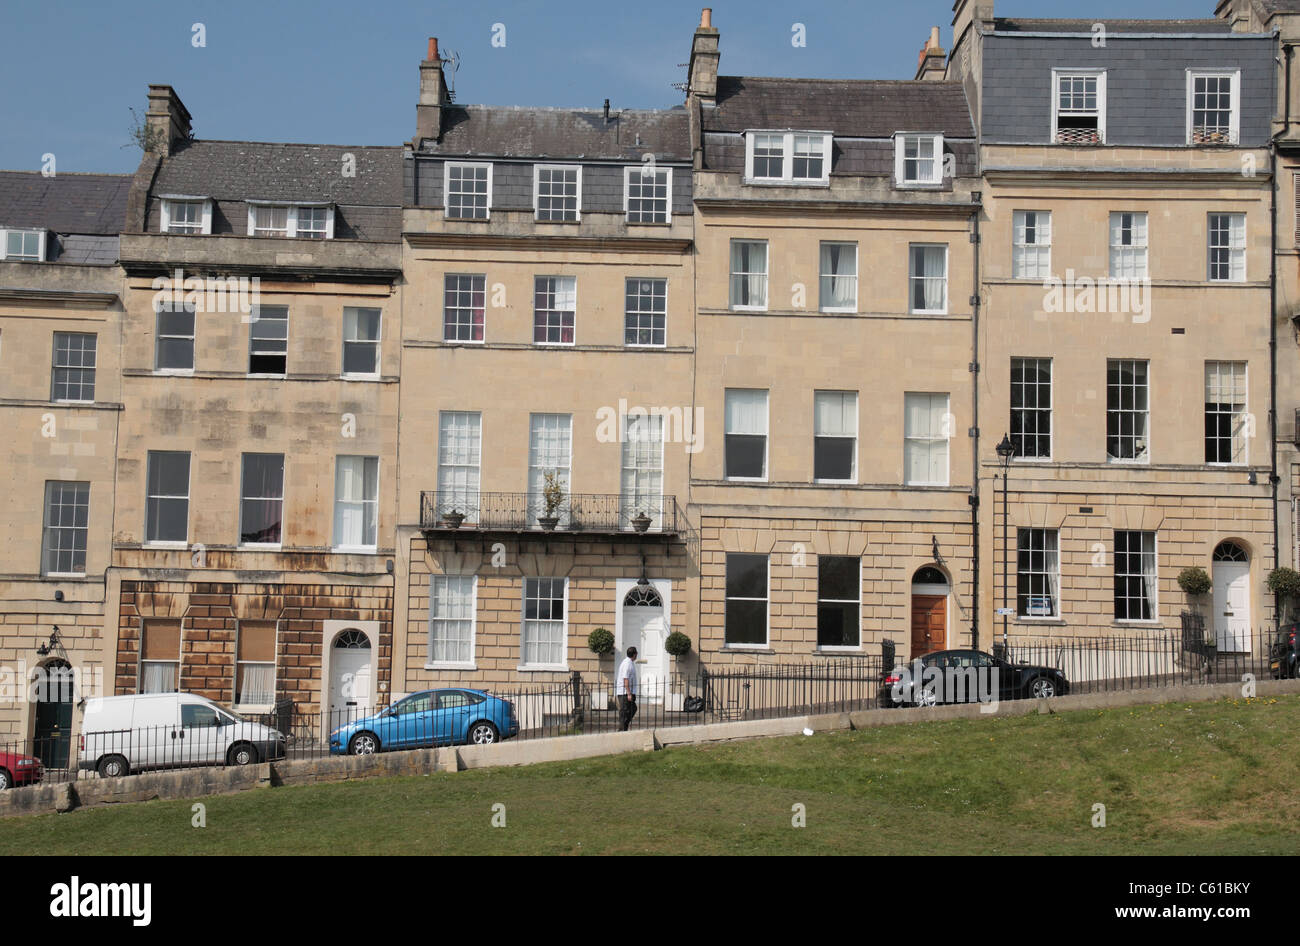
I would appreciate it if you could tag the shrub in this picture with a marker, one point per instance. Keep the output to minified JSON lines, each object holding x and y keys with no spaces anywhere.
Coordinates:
{"x":1194,"y":580}
{"x":1284,"y":582}
{"x":677,"y":644}
{"x":600,"y":642}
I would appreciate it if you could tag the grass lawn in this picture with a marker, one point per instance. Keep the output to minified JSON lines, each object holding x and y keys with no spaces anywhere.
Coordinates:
{"x":1199,"y":778}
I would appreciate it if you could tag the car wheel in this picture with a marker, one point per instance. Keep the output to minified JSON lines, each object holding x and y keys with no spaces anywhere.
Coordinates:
{"x":482,"y":734}
{"x":1042,"y":688}
{"x":5,"y":779}
{"x":363,"y":743}
{"x":242,"y":754}
{"x":113,"y":766}
{"x":926,"y":697}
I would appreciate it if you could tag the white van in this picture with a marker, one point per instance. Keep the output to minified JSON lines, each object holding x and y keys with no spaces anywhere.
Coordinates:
{"x":124,"y":734}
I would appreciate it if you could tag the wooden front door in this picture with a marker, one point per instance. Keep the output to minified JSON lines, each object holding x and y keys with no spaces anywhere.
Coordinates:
{"x":929,"y":623}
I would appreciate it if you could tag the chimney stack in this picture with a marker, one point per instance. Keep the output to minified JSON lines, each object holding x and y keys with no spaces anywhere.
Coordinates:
{"x":433,"y":96}
{"x":702,"y":74}
{"x":931,"y":64}
{"x":167,"y":121}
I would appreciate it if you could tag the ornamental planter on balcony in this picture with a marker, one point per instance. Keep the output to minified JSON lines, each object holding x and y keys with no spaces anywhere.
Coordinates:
{"x":641,"y":522}
{"x":453,"y":519}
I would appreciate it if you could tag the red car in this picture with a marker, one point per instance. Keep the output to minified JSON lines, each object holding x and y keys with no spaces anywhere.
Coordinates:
{"x":18,"y":769}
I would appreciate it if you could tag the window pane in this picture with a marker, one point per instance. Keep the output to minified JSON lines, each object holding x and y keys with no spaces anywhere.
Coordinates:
{"x":748,"y":273}
{"x":361,"y":333}
{"x":451,"y":618}
{"x":263,"y":497}
{"x":646,"y":311}
{"x":555,"y":300}
{"x":746,"y":575}
{"x":74,"y":366}
{"x":464,"y":298}
{"x":167,"y":500}
{"x":467,"y":191}
{"x":647,"y":195}
{"x":67,"y":520}
{"x":356,"y":501}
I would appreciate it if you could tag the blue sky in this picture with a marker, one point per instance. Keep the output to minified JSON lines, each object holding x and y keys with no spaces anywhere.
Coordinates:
{"x":345,"y":72}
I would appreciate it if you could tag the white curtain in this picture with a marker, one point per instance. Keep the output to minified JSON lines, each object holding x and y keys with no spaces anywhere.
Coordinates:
{"x":930,"y":275}
{"x":1149,"y":573}
{"x":1051,"y":564}
{"x":746,"y":412}
{"x":459,"y":437}
{"x":159,"y":677}
{"x":839,"y":288}
{"x":451,"y":616}
{"x":748,"y":273}
{"x":257,"y":683}
{"x":550,"y":444}
{"x":356,"y":495}
{"x":643,"y":467}
{"x":835,"y":414}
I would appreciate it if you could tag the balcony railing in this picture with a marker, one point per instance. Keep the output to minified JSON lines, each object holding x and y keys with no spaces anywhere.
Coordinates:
{"x":605,"y":513}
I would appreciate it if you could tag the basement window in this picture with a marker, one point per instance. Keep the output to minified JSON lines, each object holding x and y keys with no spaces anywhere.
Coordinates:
{"x":1079,"y":107}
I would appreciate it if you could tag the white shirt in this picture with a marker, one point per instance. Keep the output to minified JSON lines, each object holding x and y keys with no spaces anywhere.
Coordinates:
{"x":626,"y":682}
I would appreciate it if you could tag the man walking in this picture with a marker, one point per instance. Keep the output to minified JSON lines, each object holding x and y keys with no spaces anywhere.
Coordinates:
{"x":625,"y":690}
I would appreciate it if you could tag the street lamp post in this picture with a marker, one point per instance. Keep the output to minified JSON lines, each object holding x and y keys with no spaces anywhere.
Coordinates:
{"x":1006,"y":450}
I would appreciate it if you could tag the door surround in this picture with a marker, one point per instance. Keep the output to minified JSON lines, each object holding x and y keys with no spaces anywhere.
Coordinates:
{"x":930,"y":587}
{"x":330,"y":634}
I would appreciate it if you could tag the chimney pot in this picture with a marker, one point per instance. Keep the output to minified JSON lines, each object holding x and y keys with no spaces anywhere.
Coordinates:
{"x":934,"y":37}
{"x":706,"y":18}
{"x":433,"y":49}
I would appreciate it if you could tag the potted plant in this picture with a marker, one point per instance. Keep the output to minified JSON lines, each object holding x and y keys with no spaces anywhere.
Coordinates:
{"x":601,"y":643}
{"x":678,"y":645}
{"x":1285,"y":583}
{"x":641,"y":522}
{"x":552,"y":499}
{"x":453,"y":518}
{"x":1195,"y":583}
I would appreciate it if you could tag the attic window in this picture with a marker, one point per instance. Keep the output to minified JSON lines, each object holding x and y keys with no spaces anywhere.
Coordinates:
{"x":787,"y":157}
{"x":1213,"y":115}
{"x":301,"y":221}
{"x":22,"y":245}
{"x":186,"y":215}
{"x":1079,"y":107}
{"x":918,"y":159}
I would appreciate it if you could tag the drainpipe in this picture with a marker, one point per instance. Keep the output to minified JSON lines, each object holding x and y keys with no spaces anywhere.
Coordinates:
{"x":974,"y":497}
{"x":1272,"y":366}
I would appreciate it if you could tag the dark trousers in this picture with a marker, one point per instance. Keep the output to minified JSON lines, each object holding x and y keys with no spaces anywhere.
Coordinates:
{"x":626,"y":710}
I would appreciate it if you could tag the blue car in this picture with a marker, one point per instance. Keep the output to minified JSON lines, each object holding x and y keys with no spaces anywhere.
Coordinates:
{"x":429,"y":718}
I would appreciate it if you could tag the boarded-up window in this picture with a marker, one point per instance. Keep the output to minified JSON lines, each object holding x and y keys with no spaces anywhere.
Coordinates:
{"x":255,"y":669}
{"x":160,"y":653}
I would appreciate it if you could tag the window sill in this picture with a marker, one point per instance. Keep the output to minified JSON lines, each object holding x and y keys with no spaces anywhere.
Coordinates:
{"x":543,"y":668}
{"x":745,"y":479}
{"x":840,"y":310}
{"x":747,"y":649}
{"x":562,"y":223}
{"x":465,"y":341}
{"x":57,"y":575}
{"x":174,"y":372}
{"x":648,"y":223}
{"x":254,"y":708}
{"x":1116,"y":461}
{"x":1150,"y":623}
{"x":927,"y":312}
{"x":852,"y":482}
{"x":918,"y":185}
{"x":783,"y":182}
{"x":553,"y":344}
{"x":1031,"y":459}
{"x":359,"y":377}
{"x":165,"y":545}
{"x":1027,"y":619}
{"x":445,"y":665}
{"x":71,"y":403}
{"x":272,"y":377}
{"x":837,"y":650}
{"x":355,"y":550}
{"x":450,"y":219}
{"x":259,"y":546}
{"x":748,"y":308}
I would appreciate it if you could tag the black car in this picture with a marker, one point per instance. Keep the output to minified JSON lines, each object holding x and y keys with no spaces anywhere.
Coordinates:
{"x":968,"y":676}
{"x":1284,"y":655}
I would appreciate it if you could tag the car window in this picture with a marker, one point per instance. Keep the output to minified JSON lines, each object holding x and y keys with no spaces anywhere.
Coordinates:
{"x":984,"y":660}
{"x":194,"y":716}
{"x":414,"y":704}
{"x":451,"y":698}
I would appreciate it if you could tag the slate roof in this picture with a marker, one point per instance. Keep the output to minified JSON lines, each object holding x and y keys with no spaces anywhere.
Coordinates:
{"x":1023,"y":25}
{"x":64,"y":203}
{"x":845,"y":107}
{"x":519,"y":132}
{"x":1280,"y":6}
{"x":249,"y":170}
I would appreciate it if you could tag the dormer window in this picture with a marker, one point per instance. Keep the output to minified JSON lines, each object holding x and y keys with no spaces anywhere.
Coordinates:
{"x":1079,"y":107}
{"x":557,"y":192}
{"x":1213,"y":110}
{"x":26,"y":246}
{"x":186,"y":215}
{"x":918,"y":159}
{"x":467,"y":191}
{"x":787,"y":157}
{"x":313,"y":221}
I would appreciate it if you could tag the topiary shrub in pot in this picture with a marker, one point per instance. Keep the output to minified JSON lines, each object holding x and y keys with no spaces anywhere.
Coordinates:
{"x":677,"y":644}
{"x":601,"y":643}
{"x":1194,"y":581}
{"x":1285,"y":583}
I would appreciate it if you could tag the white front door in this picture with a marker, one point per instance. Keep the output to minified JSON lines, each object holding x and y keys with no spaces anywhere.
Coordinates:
{"x":349,"y":684}
{"x":645,"y":629}
{"x":1232,"y":606}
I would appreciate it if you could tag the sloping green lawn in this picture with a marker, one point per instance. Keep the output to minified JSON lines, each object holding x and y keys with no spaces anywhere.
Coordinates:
{"x":1200,"y":778}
